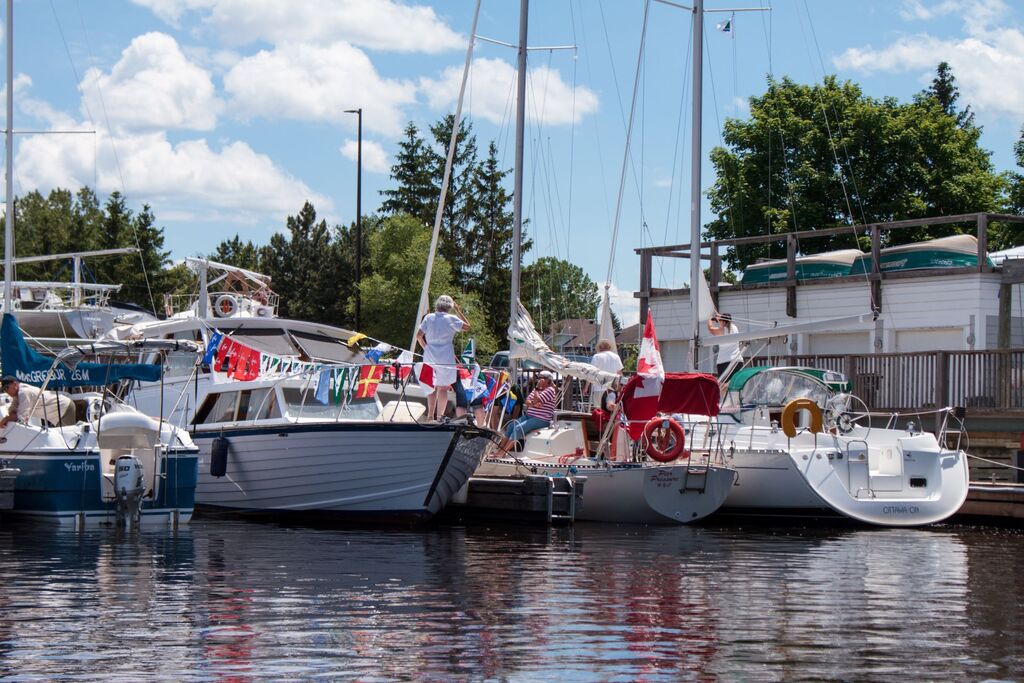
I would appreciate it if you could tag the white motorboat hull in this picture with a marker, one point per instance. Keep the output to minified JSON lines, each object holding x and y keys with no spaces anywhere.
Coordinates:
{"x":357,"y":470}
{"x":633,"y":493}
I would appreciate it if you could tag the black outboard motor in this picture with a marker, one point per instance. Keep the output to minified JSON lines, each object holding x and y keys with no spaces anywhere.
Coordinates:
{"x":219,"y":457}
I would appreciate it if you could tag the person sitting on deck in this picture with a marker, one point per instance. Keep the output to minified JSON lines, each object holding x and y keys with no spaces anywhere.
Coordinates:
{"x":55,"y":409}
{"x":540,"y":410}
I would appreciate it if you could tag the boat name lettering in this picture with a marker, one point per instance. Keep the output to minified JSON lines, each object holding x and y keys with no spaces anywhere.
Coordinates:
{"x":900,"y":510}
{"x":59,"y":375}
{"x":663,"y":478}
{"x":79,"y":466}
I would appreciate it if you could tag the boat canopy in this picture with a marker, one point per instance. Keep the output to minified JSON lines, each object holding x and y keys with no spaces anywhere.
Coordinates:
{"x":833,"y":380}
{"x":32,"y":367}
{"x":693,"y":393}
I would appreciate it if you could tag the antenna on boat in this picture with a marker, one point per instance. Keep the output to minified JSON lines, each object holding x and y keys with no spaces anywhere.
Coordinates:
{"x":9,"y":148}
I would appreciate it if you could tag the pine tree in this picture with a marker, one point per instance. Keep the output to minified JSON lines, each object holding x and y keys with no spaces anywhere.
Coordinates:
{"x":456,"y":236}
{"x":416,"y":193}
{"x":946,"y":92}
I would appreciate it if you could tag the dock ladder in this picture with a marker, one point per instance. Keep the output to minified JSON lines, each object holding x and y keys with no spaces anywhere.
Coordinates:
{"x":559,"y":488}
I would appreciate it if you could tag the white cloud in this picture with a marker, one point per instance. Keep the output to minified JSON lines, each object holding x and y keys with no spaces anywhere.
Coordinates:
{"x":375,"y":24}
{"x":490,"y":93}
{"x":375,"y":159}
{"x":153,"y":86}
{"x":988,"y":61}
{"x":234,"y":180}
{"x":663,"y":182}
{"x":318,"y":84}
{"x":624,"y":305}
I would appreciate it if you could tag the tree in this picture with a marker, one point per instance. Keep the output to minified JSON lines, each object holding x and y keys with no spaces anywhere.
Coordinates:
{"x":235,"y":252}
{"x":457,"y":237}
{"x":554,"y":289}
{"x":945,"y":92}
{"x":398,"y":254}
{"x":491,"y":246}
{"x":779,"y":171}
{"x":1005,"y":235}
{"x":415,"y":193}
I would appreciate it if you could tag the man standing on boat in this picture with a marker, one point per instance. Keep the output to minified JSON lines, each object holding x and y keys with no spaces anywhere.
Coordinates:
{"x":605,"y":359}
{"x":55,"y":408}
{"x":436,"y":335}
{"x":720,"y":324}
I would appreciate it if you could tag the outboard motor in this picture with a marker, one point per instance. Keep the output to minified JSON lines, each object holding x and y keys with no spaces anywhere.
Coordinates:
{"x":128,"y":487}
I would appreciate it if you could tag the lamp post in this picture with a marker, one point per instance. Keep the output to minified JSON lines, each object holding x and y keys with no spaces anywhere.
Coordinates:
{"x":359,"y":208}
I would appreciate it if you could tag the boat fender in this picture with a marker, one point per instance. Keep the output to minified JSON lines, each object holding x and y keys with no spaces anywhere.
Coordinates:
{"x":656,"y":444}
{"x":219,"y":457}
{"x":789,"y":416}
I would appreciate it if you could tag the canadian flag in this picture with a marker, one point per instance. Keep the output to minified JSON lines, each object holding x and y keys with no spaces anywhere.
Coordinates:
{"x":649,"y":369}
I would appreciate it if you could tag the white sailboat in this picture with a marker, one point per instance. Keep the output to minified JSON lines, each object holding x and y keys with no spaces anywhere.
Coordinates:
{"x":793,"y":434}
{"x":622,"y":485}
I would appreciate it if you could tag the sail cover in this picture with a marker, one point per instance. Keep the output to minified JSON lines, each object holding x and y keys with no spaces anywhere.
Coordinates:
{"x":31,"y":367}
{"x":525,"y":342}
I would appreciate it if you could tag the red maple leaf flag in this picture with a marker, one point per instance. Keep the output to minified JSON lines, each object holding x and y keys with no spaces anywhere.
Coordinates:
{"x":650,"y":370}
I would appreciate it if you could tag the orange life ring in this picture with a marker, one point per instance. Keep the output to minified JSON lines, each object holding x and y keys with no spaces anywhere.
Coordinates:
{"x":668,"y":427}
{"x":789,"y":416}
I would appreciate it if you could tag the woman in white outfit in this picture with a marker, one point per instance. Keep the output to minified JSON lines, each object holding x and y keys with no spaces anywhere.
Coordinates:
{"x":436,"y":334}
{"x":718,"y":325}
{"x":605,"y":359}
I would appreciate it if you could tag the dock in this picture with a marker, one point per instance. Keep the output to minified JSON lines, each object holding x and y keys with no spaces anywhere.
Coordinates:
{"x":999,"y":501}
{"x":7,"y":477}
{"x":538,"y":499}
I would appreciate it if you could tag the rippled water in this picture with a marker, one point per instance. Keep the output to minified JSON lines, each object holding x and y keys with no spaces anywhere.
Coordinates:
{"x":238,"y":601}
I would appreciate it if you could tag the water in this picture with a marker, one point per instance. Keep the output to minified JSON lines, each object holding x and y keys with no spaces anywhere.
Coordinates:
{"x":239,"y":601}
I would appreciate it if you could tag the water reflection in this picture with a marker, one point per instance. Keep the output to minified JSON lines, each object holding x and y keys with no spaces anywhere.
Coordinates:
{"x":234,"y":601}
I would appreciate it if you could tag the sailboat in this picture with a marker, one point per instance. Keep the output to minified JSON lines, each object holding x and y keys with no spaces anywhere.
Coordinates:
{"x":622,"y":484}
{"x":111,"y":463}
{"x":796,"y":435}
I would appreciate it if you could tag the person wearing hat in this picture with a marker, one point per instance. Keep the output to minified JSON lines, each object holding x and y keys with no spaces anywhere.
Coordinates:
{"x":540,"y":410}
{"x":55,"y":409}
{"x":435,"y":335}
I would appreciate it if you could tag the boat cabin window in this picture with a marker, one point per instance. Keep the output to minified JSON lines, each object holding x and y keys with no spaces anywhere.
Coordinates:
{"x":301,"y":403}
{"x":238,"y":406}
{"x":773,"y":388}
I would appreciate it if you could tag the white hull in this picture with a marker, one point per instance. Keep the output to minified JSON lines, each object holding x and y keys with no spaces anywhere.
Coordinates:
{"x":633,"y":494}
{"x":886,"y":477}
{"x":354,"y":469}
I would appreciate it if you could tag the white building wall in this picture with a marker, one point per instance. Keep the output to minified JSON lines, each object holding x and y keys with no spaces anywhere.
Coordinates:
{"x":950,"y":312}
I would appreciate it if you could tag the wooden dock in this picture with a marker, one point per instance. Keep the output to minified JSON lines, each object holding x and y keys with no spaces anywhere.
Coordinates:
{"x":533,"y":498}
{"x":7,"y":477}
{"x":1003,"y":502}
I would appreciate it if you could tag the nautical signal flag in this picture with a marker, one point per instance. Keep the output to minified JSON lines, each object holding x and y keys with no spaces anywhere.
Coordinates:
{"x":425,"y":375}
{"x":369,"y":378}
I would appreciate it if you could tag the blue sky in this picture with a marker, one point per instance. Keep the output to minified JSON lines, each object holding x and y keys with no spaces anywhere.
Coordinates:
{"x":226,"y":115}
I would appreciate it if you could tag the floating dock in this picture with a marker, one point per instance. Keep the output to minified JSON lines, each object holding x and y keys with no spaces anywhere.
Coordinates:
{"x":533,"y":498}
{"x":993,"y":501}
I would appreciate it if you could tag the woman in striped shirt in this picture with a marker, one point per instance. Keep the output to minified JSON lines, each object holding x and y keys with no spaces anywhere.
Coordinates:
{"x":540,"y":410}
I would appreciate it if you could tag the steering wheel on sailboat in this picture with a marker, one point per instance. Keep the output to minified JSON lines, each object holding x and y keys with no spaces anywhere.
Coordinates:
{"x":846,"y":419}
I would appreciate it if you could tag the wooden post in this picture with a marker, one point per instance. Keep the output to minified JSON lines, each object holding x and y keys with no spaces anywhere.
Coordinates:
{"x":941,"y":386}
{"x":645,"y":286}
{"x":791,"y":275}
{"x":876,"y":268}
{"x":716,"y":272}
{"x":982,"y":242}
{"x":850,"y":369}
{"x":1005,"y":311}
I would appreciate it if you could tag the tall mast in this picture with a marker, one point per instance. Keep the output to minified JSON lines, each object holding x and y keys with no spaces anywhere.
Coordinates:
{"x":9,"y":147}
{"x":517,"y":197}
{"x":695,"y":157}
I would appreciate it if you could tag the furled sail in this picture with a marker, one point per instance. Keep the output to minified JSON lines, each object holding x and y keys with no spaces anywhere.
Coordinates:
{"x":526,"y":343}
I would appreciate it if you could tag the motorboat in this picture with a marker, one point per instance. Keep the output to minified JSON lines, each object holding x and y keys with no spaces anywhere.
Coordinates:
{"x":803,"y":445}
{"x":112,"y":465}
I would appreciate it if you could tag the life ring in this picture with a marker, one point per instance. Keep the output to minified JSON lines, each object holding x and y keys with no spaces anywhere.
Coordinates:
{"x":789,"y":416}
{"x":669,"y":427}
{"x":225,"y":305}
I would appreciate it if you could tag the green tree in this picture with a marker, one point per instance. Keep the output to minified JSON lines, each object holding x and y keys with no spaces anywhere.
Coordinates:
{"x":398,"y":257}
{"x":554,"y":289}
{"x":235,"y":252}
{"x":457,"y":242}
{"x":415,"y":193}
{"x":779,"y":171}
{"x":946,"y":93}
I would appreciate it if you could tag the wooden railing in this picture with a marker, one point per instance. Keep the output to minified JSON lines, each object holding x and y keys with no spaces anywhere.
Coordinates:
{"x":984,"y":382}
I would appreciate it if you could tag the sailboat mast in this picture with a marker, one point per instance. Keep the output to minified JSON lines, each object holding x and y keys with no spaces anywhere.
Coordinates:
{"x":9,"y":148}
{"x":517,"y":197}
{"x":695,"y":159}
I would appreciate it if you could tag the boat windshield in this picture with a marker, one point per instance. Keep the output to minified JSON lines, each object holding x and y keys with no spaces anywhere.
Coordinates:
{"x":303,"y":404}
{"x":777,"y":388}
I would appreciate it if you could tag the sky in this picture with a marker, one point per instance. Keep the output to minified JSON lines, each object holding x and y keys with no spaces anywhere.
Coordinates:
{"x":226,"y":116}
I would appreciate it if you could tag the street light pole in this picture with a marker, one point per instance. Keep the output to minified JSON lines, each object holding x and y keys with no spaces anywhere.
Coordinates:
{"x":359,"y":209}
